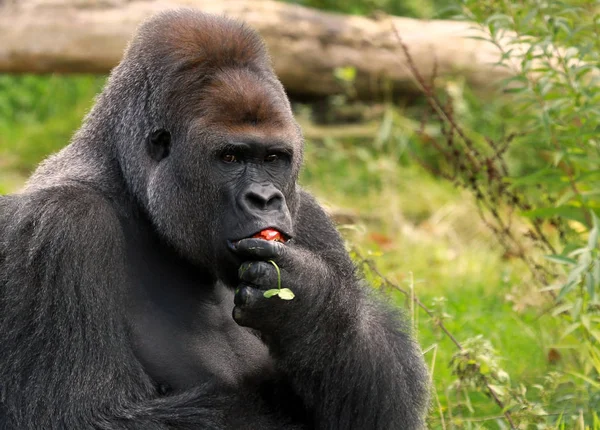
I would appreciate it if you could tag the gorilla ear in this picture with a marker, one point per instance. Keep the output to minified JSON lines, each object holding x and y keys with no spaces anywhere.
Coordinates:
{"x":159,"y":144}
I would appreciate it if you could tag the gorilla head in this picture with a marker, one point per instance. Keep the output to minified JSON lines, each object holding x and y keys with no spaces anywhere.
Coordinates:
{"x":221,"y":150}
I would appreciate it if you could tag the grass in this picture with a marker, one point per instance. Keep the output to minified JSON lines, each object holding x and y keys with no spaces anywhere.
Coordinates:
{"x":421,"y":228}
{"x":420,"y":231}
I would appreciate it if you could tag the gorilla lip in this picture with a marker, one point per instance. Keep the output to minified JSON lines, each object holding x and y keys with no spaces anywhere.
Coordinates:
{"x":268,"y":234}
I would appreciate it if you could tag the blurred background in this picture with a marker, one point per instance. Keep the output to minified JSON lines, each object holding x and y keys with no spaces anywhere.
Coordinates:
{"x":463,"y":174}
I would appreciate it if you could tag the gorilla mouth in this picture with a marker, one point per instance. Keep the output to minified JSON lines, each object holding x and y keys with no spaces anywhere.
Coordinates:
{"x":269,"y":234}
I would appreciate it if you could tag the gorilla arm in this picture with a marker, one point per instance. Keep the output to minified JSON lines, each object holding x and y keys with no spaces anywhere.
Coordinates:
{"x":65,"y":360}
{"x":350,"y":358}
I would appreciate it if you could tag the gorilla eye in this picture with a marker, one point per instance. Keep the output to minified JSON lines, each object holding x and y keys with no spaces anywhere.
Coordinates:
{"x":228,"y":158}
{"x":271,"y":158}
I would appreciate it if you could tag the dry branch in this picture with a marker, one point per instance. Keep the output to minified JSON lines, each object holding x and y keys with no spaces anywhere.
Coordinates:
{"x":73,"y":36}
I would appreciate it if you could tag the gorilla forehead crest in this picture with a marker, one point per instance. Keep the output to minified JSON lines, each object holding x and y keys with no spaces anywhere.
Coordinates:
{"x":207,"y":41}
{"x":221,"y":63}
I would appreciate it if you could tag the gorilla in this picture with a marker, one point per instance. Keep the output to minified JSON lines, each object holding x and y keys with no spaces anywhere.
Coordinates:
{"x":131,"y":281}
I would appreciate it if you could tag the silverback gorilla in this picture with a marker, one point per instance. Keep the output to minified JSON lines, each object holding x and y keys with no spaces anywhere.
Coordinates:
{"x":131,"y":287}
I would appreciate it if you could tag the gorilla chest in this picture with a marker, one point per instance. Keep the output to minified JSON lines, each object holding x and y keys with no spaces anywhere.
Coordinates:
{"x":182,"y":330}
{"x":210,"y":349}
{"x":183,"y":347}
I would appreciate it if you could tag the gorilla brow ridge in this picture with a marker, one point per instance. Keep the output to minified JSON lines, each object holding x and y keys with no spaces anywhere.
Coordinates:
{"x":238,"y":96}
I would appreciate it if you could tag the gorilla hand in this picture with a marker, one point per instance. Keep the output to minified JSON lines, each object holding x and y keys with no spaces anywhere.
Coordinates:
{"x":337,"y":347}
{"x":299,"y":270}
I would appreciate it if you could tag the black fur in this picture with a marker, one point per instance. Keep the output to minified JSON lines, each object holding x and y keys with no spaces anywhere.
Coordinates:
{"x":122,"y":259}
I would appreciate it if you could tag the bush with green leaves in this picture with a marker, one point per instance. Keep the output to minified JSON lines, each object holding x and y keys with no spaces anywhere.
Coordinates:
{"x":38,"y":115}
{"x":537,"y":183}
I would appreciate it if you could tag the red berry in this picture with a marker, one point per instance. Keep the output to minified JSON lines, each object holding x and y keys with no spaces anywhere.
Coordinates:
{"x":269,"y":234}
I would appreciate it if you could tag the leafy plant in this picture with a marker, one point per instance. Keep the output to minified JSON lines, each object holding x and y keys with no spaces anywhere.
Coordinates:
{"x":544,"y":212}
{"x":282,"y":293}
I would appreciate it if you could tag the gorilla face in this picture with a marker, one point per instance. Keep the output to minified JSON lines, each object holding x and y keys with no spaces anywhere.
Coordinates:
{"x":223,"y":192}
{"x":254,"y":183}
{"x":253,"y":177}
{"x":222,"y":150}
{"x":216,"y":182}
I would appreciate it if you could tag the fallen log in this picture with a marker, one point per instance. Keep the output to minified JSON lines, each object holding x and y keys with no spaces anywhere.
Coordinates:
{"x":307,"y":46}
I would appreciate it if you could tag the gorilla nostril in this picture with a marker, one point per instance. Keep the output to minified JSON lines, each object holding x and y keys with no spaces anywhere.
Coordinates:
{"x":264,"y":198}
{"x":255,"y":200}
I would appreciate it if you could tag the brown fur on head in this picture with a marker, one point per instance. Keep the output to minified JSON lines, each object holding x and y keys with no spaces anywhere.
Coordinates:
{"x":219,"y":72}
{"x":193,"y":40}
{"x":240,"y":100}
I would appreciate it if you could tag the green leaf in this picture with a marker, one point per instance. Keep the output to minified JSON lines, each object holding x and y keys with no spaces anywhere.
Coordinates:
{"x":270,"y":293}
{"x":596,"y":277}
{"x":583,"y":70}
{"x":566,"y":307}
{"x":595,"y":334}
{"x":585,"y":322}
{"x":570,"y":329}
{"x":590,"y":381}
{"x":286,"y":294}
{"x":561,"y":259}
{"x":499,"y":390}
{"x":540,"y":176}
{"x":570,"y":212}
{"x":514,"y":90}
{"x":579,"y":270}
{"x":590,"y":284}
{"x":565,"y":290}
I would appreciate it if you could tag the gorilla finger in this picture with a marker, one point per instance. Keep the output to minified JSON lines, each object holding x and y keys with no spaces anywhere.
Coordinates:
{"x":259,"y":249}
{"x":247,"y":296}
{"x":260,"y":273}
{"x":250,"y":307}
{"x":238,"y":315}
{"x":245,"y":317}
{"x":244,"y":267}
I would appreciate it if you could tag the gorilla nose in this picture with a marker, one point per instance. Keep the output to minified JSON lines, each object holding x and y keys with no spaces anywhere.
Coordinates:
{"x":263,"y":198}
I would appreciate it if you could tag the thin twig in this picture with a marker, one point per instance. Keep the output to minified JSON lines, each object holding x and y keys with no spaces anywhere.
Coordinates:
{"x":475,"y":163}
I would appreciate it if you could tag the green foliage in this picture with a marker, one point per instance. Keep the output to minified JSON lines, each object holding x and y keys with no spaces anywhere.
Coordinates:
{"x":38,"y":115}
{"x":554,"y":52}
{"x":414,"y":8}
{"x":549,"y":116}
{"x":553,"y":48}
{"x":476,"y":364}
